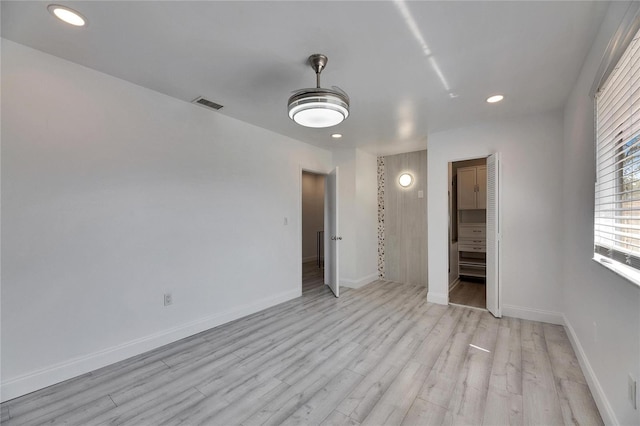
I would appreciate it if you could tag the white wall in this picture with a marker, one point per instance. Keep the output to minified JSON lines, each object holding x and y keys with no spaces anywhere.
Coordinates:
{"x":112,"y":195}
{"x":593,"y":294}
{"x":357,"y":216}
{"x":531,"y":149}
{"x":366,"y":217}
{"x":312,"y":213}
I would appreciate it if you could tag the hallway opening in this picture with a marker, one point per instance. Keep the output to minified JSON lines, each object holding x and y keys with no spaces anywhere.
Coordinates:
{"x":313,"y":219}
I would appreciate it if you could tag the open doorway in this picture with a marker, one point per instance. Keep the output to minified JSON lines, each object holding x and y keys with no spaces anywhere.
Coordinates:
{"x":468,"y":233}
{"x":313,"y":239}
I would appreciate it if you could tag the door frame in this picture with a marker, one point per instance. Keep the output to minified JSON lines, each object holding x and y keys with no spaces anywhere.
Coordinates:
{"x":499,"y":208}
{"x":302,"y":169}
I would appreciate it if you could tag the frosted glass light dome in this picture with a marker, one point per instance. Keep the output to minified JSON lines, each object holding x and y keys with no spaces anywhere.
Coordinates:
{"x":405,"y":180}
{"x":318,"y":108}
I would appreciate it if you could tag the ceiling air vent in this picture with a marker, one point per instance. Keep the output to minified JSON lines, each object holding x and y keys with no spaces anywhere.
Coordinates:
{"x":206,"y":103}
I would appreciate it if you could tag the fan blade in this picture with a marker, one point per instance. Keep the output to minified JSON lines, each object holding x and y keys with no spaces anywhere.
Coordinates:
{"x":337,"y":89}
{"x":295,"y":92}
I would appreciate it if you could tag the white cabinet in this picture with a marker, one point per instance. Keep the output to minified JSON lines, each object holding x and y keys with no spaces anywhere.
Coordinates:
{"x":472,"y":228}
{"x":467,"y":188}
{"x":472,"y":188}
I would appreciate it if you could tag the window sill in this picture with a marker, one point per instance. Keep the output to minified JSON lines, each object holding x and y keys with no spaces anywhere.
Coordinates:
{"x":626,"y":272}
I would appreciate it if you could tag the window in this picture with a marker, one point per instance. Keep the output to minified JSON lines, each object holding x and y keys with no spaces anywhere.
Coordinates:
{"x":617,"y":191}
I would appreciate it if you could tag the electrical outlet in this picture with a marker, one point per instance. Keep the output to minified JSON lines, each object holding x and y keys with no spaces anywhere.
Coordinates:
{"x":168,"y":299}
{"x":633,"y":386}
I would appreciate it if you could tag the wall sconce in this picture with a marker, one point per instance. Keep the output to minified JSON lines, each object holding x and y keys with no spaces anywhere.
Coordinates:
{"x":405,"y":180}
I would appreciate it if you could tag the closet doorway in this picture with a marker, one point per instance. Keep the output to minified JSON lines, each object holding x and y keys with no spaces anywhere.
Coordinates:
{"x":313,"y":222}
{"x":474,"y":233}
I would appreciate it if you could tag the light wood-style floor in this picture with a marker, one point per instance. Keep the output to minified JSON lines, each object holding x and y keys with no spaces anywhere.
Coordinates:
{"x":312,"y":276}
{"x":469,"y":293}
{"x":377,"y":355}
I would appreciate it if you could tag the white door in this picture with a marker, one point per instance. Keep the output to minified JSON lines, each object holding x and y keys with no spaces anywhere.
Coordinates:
{"x":332,"y":277}
{"x":494,"y":230}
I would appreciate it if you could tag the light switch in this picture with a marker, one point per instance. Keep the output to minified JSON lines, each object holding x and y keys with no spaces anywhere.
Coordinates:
{"x":420,"y":194}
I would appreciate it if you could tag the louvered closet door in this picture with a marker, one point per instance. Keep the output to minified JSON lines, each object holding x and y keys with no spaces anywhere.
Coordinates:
{"x":493,"y":235}
{"x":481,"y":185}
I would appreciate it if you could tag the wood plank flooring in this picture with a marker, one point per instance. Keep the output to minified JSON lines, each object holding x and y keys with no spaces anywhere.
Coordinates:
{"x":312,"y":276}
{"x":469,"y":293}
{"x":377,"y":355}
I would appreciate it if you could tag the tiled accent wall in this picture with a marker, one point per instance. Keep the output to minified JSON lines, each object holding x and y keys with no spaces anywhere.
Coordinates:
{"x":381,"y":217}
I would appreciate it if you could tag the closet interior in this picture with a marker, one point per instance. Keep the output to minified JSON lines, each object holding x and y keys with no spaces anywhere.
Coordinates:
{"x":468,"y":231}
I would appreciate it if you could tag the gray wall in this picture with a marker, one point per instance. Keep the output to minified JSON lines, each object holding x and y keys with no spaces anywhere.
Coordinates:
{"x":405,"y":223}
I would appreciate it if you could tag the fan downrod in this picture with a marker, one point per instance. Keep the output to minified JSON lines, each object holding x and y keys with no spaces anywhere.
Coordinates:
{"x":318,"y":62}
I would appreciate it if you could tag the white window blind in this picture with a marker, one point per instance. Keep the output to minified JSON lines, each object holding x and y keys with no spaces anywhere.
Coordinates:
{"x":617,"y":191}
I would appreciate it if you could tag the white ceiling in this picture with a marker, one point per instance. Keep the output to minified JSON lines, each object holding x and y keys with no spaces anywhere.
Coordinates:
{"x":400,"y":62}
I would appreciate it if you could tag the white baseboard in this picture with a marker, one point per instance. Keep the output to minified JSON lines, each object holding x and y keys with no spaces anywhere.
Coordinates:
{"x":607,"y":413}
{"x":359,"y":282}
{"x":454,"y":284}
{"x":439,"y":298}
{"x":48,"y":376}
{"x":533,"y":314}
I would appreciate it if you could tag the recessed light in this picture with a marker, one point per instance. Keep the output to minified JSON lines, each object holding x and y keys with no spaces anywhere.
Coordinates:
{"x":336,"y":135}
{"x":495,"y":98}
{"x":67,"y":15}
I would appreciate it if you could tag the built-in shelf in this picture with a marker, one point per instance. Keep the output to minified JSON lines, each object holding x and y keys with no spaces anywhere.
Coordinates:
{"x":472,"y":221}
{"x":467,"y":261}
{"x":472,"y":257}
{"x":473,"y":273}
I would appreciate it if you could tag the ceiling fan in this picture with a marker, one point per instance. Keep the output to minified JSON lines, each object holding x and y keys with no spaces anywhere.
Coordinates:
{"x":319,"y":107}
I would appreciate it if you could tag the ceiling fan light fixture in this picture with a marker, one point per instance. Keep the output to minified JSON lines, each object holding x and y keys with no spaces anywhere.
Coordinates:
{"x":318,"y":110}
{"x":318,"y":107}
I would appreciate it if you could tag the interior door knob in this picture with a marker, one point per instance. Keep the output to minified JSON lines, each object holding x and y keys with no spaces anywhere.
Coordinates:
{"x":339,"y":238}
